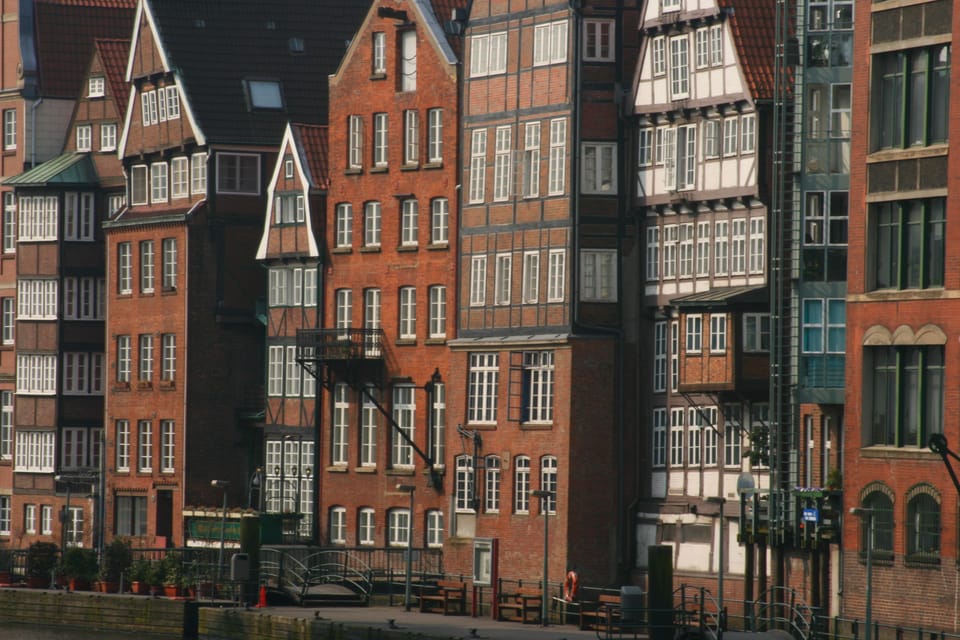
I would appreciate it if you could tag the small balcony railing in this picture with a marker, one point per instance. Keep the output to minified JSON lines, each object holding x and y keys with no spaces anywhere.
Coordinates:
{"x":330,"y":345}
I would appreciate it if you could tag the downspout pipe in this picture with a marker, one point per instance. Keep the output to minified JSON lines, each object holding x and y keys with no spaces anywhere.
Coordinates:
{"x":33,"y":131}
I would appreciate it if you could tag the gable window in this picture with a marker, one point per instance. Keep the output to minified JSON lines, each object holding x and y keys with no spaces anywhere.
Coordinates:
{"x":439,"y":221}
{"x":478,"y":165}
{"x":716,"y":45}
{"x":84,"y":137}
{"x":598,"y":40}
{"x":148,"y":108}
{"x":558,"y":157}
{"x":599,"y":167}
{"x":550,"y":43}
{"x":378,"y":58}
{"x":903,"y":394}
{"x":344,"y":225}
{"x":911,"y":94}
{"x":173,"y":102}
{"x":288,"y":208}
{"x":180,"y":176}
{"x":238,"y":173}
{"x":411,"y":137}
{"x":9,"y":129}
{"x":482,"y":388}
{"x":659,"y":56}
{"x":371,"y":224}
{"x":198,"y":173}
{"x":502,"y":164}
{"x":408,"y":60}
{"x":409,"y":223}
{"x":478,"y":280}
{"x":355,"y":150}
{"x":488,"y":54}
{"x":380,"y":140}
{"x":108,"y":136}
{"x":702,"y":47}
{"x":679,"y":71}
{"x":598,"y":281}
{"x":907,"y":246}
{"x":435,"y":136}
{"x":670,"y":5}
{"x":158,"y":182}
{"x":730,"y":137}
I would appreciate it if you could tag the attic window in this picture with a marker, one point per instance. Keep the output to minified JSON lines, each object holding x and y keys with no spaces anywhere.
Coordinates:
{"x":296,"y":45}
{"x":264,"y":94}
{"x":95,"y":87}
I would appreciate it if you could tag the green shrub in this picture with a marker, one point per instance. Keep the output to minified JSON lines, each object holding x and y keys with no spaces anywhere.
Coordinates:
{"x":41,"y":559}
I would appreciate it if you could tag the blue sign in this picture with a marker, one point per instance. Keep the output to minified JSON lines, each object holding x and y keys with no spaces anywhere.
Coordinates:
{"x":811,"y":515}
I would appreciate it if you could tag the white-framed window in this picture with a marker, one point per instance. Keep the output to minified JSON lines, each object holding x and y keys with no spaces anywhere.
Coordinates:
{"x":79,"y":218}
{"x":82,"y":373}
{"x":482,"y":388}
{"x":686,"y":157}
{"x":502,"y":164}
{"x":6,"y":425}
{"x":36,"y":299}
{"x":488,"y":54}
{"x":146,"y":266}
{"x":310,"y":287}
{"x":548,"y":482}
{"x":659,"y":448}
{"x":645,"y":147}
{"x":79,"y":448}
{"x":686,"y":250}
{"x":84,"y":137}
{"x":558,"y":157}
{"x":30,"y":519}
{"x":694,"y":440}
{"x":411,"y":135}
{"x":409,"y":222}
{"x":179,"y":177}
{"x":380,"y":133}
{"x":438,"y":424}
{"x":531,"y":160}
{"x":115,"y":202}
{"x":666,"y":153}
{"x":671,"y":237}
{"x":703,"y":249}
{"x":355,"y":141}
{"x":748,"y":133}
{"x":711,"y":138}
{"x":671,"y":5}
{"x":659,"y":56}
{"x":677,"y":429}
{"x":338,"y":525}
{"x":679,"y":67}
{"x":408,"y":60}
{"x":158,"y":182}
{"x":694,"y":333}
{"x":521,"y":485}
{"x":404,"y":412}
{"x":434,"y":528}
{"x":718,"y":332}
{"x":478,"y":280}
{"x":344,"y":225}
{"x":502,"y":279}
{"x":369,"y":418}
{"x":732,"y":435}
{"x":275,"y":370}
{"x":9,"y":222}
{"x":464,"y":484}
{"x":491,"y":484}
{"x":730,"y":136}
{"x":407,"y":329}
{"x":168,"y":446}
{"x":9,"y":129}
{"x":173,"y":102}
{"x":598,"y":279}
{"x":144,"y":445}
{"x":168,"y":355}
{"x":438,"y":312}
{"x":169,"y":246}
{"x":371,"y":309}
{"x":46,"y":519}
{"x":198,"y":173}
{"x":366,"y":526}
{"x":756,"y":332}
{"x":599,"y":167}
{"x":341,"y":424}
{"x":379,"y":53}
{"x":531,"y":277}
{"x":660,"y":357}
{"x":124,"y":356}
{"x":34,"y":451}
{"x":653,"y":253}
{"x":550,"y":43}
{"x":371,"y":224}
{"x":702,"y":47}
{"x":238,"y":173}
{"x":478,"y":165}
{"x":439,"y":221}
{"x":435,"y":136}
{"x":293,"y":373}
{"x":148,"y":108}
{"x":9,"y":316}
{"x":721,"y":247}
{"x":556,"y":276}
{"x":145,"y":359}
{"x":599,"y":40}
{"x":716,"y":44}
{"x":738,"y":246}
{"x":537,"y":387}
{"x":398,"y":527}
{"x":757,"y":241}
{"x":343,"y":300}
{"x":38,"y":217}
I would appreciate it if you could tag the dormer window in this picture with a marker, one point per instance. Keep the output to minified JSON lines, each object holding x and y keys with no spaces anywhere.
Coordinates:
{"x":95,"y":87}
{"x":264,"y":94}
{"x":670,"y":5}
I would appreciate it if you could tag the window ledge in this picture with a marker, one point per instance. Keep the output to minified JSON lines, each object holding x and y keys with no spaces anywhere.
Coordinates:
{"x":411,"y":166}
{"x":440,"y":246}
{"x":406,"y":342}
{"x":401,"y":472}
{"x":883,"y":451}
{"x":908,"y":153}
{"x":337,"y":468}
{"x":922,"y":561}
{"x":437,"y":164}
{"x":121,"y":386}
{"x":378,"y":76}
{"x":369,"y":249}
{"x":380,"y":169}
{"x":435,"y":341}
{"x":145,"y":386}
{"x":341,"y":250}
{"x":365,"y":470}
{"x":168,"y":291}
{"x":408,"y":248}
{"x":168,"y":385}
{"x":353,"y":171}
{"x":536,"y":426}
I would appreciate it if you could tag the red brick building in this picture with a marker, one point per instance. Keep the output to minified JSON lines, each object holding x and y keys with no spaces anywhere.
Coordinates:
{"x":902,"y":318}
{"x":390,"y":280}
{"x":542,"y":368}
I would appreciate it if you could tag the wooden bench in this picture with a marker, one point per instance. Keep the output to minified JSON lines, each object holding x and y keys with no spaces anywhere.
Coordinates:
{"x":520,"y":605}
{"x":602,"y":615}
{"x":440,"y":597}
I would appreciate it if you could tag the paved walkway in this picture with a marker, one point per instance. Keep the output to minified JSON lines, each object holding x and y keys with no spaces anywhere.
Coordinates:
{"x":432,"y":625}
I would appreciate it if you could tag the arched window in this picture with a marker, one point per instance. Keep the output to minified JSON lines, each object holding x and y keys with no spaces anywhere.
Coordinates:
{"x":366,"y":526}
{"x":521,"y":485}
{"x":882,"y":507}
{"x":923,"y":528}
{"x":338,"y":525}
{"x":491,"y":503}
{"x":434,"y":528}
{"x":464,"y":484}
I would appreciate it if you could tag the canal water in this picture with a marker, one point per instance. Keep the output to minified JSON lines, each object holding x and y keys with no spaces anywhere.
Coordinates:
{"x":20,"y":632}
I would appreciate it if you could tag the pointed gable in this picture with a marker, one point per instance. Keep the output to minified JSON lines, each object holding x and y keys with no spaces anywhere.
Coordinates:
{"x":113,"y":56}
{"x":753,"y":27}
{"x":311,"y":147}
{"x":224,"y":55}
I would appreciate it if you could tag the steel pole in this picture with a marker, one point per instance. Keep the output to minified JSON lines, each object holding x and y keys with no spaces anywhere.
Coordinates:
{"x":407,"y":587}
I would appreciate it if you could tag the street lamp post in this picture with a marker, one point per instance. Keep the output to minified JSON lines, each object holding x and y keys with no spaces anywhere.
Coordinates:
{"x":722,"y":501}
{"x":221,"y":484}
{"x":256,"y":484}
{"x":870,"y":515}
{"x":65,"y":514}
{"x":409,"y":489}
{"x":545,"y":497}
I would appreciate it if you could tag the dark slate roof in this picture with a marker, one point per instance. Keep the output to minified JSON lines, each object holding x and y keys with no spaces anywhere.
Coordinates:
{"x":311,"y":142}
{"x":113,"y":55}
{"x":66,"y":170}
{"x":721,"y":297}
{"x":65,"y":32}
{"x":443,"y":10}
{"x":753,"y":25}
{"x":216,"y":44}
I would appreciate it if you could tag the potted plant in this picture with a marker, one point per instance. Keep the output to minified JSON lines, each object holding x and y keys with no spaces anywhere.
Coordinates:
{"x":117,"y":556}
{"x":41,"y":561}
{"x":173,"y":575}
{"x":138,"y":576}
{"x":79,"y":567}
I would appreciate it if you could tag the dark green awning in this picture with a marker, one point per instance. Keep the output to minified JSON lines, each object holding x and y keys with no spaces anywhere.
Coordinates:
{"x":66,"y":170}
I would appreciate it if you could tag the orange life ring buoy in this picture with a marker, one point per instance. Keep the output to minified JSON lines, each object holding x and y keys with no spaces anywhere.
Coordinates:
{"x":570,"y":585}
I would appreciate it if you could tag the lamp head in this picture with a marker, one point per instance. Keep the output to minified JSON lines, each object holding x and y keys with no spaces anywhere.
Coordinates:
{"x":220,"y":484}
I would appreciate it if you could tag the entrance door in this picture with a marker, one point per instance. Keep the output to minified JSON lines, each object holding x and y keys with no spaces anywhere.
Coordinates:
{"x":165,"y":515}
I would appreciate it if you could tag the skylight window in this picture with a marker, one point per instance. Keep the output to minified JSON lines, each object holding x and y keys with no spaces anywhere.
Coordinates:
{"x":264,"y":94}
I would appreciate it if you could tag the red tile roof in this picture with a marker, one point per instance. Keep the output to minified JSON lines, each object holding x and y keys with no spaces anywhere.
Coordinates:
{"x":443,"y":10}
{"x":311,"y":142}
{"x":753,"y":25}
{"x":65,"y":31}
{"x":113,"y":55}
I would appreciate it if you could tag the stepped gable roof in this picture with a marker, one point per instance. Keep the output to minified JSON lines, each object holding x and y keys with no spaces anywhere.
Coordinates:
{"x":311,"y":142}
{"x":215,"y":45}
{"x":753,"y":25}
{"x":65,"y":32}
{"x":113,"y":54}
